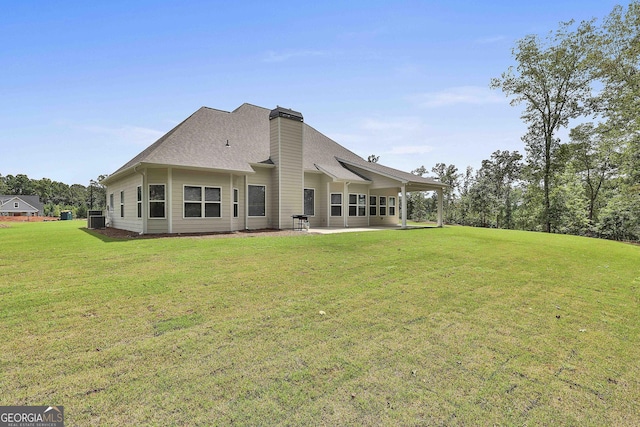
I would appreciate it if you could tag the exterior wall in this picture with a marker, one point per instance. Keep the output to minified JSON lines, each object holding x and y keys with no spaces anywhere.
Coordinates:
{"x":182,"y":178}
{"x":156,"y":225}
{"x":9,"y":208}
{"x":130,"y":221}
{"x":385,"y":219}
{"x":263,"y":176}
{"x":335,"y":221}
{"x":286,"y":153}
{"x":356,"y":221}
{"x":318,"y":182}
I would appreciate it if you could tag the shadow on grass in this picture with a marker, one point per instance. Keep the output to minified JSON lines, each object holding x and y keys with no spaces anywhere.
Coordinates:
{"x":103,"y":237}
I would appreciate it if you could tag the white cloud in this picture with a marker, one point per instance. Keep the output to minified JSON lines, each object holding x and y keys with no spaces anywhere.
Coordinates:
{"x":490,"y":40}
{"x":273,"y":56}
{"x":474,"y":95}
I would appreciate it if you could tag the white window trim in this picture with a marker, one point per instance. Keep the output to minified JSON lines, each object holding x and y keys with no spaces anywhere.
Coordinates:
{"x":380,"y":206}
{"x":202,"y":202}
{"x":265,"y":201}
{"x":391,"y":205}
{"x":157,"y":201}
{"x":236,"y":203}
{"x":375,"y":205}
{"x":357,"y":205}
{"x":331,"y":205}
{"x":139,"y":201}
{"x":314,"y":201}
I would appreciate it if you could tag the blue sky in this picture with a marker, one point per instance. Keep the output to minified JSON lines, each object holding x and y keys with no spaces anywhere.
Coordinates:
{"x":85,"y":86}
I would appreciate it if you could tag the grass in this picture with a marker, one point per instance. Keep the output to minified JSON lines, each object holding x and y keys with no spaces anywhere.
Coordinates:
{"x":453,"y":326}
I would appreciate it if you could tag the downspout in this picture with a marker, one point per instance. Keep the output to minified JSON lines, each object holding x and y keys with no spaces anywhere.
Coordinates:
{"x":246,"y":203}
{"x":404,"y":206}
{"x":345,"y":202}
{"x":440,"y":206}
{"x":144,"y":199}
{"x":169,"y":200}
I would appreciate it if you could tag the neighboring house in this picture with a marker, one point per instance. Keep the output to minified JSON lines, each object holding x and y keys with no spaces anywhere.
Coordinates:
{"x":20,"y":206}
{"x":254,"y":168}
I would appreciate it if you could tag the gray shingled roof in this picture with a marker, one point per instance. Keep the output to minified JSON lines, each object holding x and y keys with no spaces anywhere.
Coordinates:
{"x":33,"y":201}
{"x":201,"y":142}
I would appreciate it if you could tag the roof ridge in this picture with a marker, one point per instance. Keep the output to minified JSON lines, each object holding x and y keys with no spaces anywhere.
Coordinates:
{"x":250,"y":105}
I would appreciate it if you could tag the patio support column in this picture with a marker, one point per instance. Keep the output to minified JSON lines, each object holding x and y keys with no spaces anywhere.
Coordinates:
{"x":440,"y":206}
{"x":404,"y":206}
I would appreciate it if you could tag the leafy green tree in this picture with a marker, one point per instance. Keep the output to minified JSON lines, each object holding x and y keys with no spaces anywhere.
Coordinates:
{"x":553,"y":79}
{"x":501,"y":171}
{"x":447,"y":174}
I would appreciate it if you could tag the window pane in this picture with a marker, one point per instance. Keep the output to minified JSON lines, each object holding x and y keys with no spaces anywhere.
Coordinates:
{"x":392,"y":201}
{"x":211,"y":194}
{"x":383,"y":211}
{"x":353,"y":199}
{"x":156,"y":210}
{"x":372,"y":211}
{"x":192,"y":210}
{"x":392,"y":210}
{"x":235,"y":195}
{"x":257,"y":200}
{"x":336,"y":199}
{"x":373,"y":200}
{"x":139,"y":210}
{"x":156,"y":192}
{"x":122,"y":197}
{"x":383,"y":201}
{"x":362,"y":199}
{"x":362,"y":211}
{"x":212,"y":210}
{"x":235,"y":210}
{"x":309,"y":199}
{"x":336,"y":210}
{"x":192,"y":194}
{"x":353,"y":210}
{"x":139,"y":193}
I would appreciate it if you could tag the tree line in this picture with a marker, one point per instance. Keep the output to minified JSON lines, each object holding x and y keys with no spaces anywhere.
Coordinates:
{"x":583,"y":77}
{"x":57,"y":196}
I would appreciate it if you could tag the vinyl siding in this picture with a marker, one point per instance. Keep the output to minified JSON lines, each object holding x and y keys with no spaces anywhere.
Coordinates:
{"x":386,"y":219}
{"x":357,"y":221}
{"x":287,"y":150}
{"x":156,"y":225}
{"x":182,"y":178}
{"x":263,"y":176}
{"x":319,"y":183}
{"x":130,"y":221}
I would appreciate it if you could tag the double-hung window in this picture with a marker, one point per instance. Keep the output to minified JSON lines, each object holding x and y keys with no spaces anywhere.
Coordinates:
{"x":383,"y":205}
{"x":257,"y":200}
{"x":235,"y":203}
{"x":122,"y":204}
{"x":357,"y":205}
{"x":392,"y":206}
{"x":336,"y":204}
{"x":373,"y":205}
{"x":156,"y":201}
{"x":139,"y":201}
{"x":202,"y":202}
{"x":309,"y":201}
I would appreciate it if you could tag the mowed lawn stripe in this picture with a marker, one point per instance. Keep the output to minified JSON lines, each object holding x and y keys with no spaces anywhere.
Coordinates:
{"x":432,"y":326}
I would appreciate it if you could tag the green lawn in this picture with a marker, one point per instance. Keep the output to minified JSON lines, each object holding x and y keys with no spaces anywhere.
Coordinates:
{"x":453,"y":326}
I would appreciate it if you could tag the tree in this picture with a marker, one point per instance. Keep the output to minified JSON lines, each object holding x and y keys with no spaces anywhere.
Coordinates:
{"x":447,"y":174}
{"x":373,"y":158}
{"x":500,"y":172}
{"x":553,"y":78}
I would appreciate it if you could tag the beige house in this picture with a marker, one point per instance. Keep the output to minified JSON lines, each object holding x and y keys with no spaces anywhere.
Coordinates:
{"x":254,"y":168}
